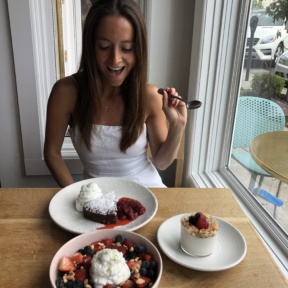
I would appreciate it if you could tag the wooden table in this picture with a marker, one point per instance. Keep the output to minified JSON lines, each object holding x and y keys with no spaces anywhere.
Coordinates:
{"x":29,"y":239}
{"x":270,"y":152}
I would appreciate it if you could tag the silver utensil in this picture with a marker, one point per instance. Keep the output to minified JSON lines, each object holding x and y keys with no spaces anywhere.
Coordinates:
{"x":194,"y":104}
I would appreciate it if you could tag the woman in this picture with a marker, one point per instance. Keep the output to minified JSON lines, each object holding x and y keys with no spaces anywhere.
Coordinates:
{"x":111,"y":111}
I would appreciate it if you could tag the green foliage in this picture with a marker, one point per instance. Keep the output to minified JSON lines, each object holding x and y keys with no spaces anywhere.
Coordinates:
{"x":267,"y":85}
{"x":257,"y":4}
{"x":246,"y":92}
{"x":278,"y":9}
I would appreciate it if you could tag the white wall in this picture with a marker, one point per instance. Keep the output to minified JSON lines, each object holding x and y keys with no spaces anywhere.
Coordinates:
{"x":171,"y":34}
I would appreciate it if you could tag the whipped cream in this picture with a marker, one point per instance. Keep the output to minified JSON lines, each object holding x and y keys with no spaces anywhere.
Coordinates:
{"x":87,"y":193}
{"x":108,"y":266}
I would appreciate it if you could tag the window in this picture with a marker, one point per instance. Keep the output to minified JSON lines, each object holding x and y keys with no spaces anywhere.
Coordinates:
{"x":217,"y":61}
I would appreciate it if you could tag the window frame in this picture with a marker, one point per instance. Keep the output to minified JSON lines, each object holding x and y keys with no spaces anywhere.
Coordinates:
{"x":208,"y":142}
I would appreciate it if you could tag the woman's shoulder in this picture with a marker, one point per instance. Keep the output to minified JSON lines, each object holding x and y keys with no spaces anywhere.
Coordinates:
{"x":154,"y":99}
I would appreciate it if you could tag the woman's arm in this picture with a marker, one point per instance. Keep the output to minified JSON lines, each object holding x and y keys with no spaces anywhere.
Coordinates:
{"x":60,"y":110}
{"x":166,"y":121}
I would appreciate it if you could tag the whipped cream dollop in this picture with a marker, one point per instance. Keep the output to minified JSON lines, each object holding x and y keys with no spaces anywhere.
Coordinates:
{"x":87,"y":193}
{"x":108,"y":266}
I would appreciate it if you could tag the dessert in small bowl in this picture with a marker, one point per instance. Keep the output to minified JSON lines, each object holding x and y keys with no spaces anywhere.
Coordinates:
{"x":115,"y":257}
{"x":198,"y":234}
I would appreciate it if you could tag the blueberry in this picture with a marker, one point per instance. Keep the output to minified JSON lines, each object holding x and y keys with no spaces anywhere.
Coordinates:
{"x":88,"y":251}
{"x":81,"y":251}
{"x":197,"y":215}
{"x":119,"y":238}
{"x":139,"y":249}
{"x":145,"y":264}
{"x":143,"y":271}
{"x":153,"y":265}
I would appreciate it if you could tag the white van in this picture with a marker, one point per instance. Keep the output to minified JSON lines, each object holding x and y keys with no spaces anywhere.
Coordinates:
{"x":266,"y":45}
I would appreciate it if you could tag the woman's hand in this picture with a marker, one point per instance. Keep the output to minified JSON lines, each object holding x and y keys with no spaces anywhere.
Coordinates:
{"x":174,"y":109}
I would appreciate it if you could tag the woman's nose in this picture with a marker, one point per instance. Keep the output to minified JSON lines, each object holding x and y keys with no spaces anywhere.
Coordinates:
{"x":116,"y":55}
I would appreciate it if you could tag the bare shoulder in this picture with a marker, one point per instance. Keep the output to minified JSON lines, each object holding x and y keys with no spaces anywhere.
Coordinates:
{"x":64,"y":92}
{"x":154,"y":99}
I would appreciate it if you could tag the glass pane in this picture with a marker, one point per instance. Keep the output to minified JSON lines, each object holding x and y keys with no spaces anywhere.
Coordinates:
{"x":263,"y":108}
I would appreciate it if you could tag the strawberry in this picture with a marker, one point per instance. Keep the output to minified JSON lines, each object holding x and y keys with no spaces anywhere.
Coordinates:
{"x":145,"y":257}
{"x":132,"y":264}
{"x":108,"y":286}
{"x":202,"y":222}
{"x":77,"y":258}
{"x":87,"y":261}
{"x":80,"y":274}
{"x":141,"y":282}
{"x":97,"y":246}
{"x":122,"y":249}
{"x":128,"y":243}
{"x":107,"y":242}
{"x":66,"y":265}
{"x":128,"y":284}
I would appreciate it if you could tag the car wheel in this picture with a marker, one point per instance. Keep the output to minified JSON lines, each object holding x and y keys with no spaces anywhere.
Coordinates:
{"x":279,"y":50}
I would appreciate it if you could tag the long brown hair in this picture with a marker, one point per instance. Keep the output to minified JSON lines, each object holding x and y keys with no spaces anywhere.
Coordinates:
{"x":88,"y":78}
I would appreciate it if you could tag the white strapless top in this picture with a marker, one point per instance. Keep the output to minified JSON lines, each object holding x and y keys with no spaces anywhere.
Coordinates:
{"x":106,"y":159}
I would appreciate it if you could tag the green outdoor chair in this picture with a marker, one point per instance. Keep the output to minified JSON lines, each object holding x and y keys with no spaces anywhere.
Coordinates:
{"x":255,"y":116}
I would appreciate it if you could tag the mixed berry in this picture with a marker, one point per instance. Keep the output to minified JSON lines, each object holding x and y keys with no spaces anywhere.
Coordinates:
{"x":199,"y":220}
{"x":74,"y":270}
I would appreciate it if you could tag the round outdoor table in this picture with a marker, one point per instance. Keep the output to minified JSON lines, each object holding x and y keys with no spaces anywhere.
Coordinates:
{"x":270,"y":152}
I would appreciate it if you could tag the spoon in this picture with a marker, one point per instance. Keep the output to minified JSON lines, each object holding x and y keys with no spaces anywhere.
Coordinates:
{"x":194,"y":104}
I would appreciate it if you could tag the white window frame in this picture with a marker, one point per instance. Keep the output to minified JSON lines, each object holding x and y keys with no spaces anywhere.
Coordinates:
{"x":216,"y":65}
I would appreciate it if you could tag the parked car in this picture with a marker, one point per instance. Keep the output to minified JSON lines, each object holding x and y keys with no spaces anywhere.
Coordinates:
{"x":281,"y":67}
{"x":270,"y":37}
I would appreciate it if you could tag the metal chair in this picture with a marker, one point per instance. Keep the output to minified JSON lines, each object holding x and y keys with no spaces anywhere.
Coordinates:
{"x":255,"y":116}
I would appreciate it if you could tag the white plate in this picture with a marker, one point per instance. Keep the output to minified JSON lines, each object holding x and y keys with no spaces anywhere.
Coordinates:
{"x":230,"y":250}
{"x":63,"y":212}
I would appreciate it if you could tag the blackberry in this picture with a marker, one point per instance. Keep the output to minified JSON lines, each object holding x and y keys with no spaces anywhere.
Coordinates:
{"x":88,"y":251}
{"x":131,"y":255}
{"x":192,"y":220}
{"x":119,"y":238}
{"x":69,"y":284}
{"x":153,"y":265}
{"x":151,"y":274}
{"x":60,"y":282}
{"x":78,"y":284}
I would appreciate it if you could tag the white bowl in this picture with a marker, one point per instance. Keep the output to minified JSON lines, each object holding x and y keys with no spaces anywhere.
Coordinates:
{"x":72,"y":246}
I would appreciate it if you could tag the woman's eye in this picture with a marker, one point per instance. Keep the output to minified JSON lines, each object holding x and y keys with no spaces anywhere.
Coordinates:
{"x":103,"y":47}
{"x":127,"y":49}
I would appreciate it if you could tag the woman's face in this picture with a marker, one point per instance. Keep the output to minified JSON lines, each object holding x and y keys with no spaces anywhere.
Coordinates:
{"x":115,"y":54}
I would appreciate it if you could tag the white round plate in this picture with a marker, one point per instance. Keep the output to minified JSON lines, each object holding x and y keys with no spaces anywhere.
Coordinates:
{"x":63,"y":212}
{"x":230,"y":248}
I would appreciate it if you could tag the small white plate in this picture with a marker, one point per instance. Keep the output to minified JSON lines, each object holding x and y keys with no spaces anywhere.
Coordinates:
{"x":230,"y":250}
{"x":63,"y":212}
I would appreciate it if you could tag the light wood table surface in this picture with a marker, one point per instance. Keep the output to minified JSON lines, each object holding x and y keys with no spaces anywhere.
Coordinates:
{"x":29,"y":239}
{"x":270,"y":152}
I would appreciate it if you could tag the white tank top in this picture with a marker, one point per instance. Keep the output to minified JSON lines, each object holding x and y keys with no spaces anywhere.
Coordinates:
{"x":106,"y":159}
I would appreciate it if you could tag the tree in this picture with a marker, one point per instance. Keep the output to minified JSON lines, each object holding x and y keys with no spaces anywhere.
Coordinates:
{"x":278,"y":10}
